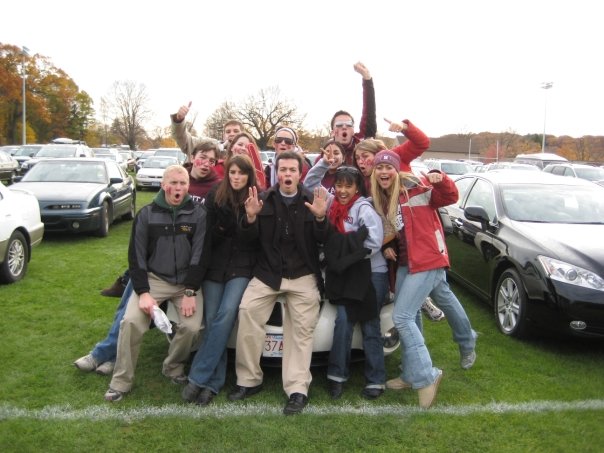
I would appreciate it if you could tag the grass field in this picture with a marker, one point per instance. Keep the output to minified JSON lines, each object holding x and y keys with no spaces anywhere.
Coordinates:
{"x":541,"y":395}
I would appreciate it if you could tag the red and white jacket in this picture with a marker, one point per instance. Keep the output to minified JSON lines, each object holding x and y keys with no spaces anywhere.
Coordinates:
{"x":426,"y":248}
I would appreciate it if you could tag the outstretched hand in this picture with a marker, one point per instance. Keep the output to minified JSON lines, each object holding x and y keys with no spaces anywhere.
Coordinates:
{"x":395,"y":126}
{"x":318,"y":208}
{"x":182,"y":111}
{"x":253,"y":205}
{"x":363,"y":70}
{"x":433,"y":178}
{"x":327,"y":156}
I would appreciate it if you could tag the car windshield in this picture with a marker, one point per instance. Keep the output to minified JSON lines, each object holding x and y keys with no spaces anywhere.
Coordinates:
{"x":56,"y":151}
{"x":592,"y":174}
{"x":549,"y":203}
{"x":57,"y":171}
{"x":159,"y":163}
{"x":27,"y":151}
{"x":455,"y":168}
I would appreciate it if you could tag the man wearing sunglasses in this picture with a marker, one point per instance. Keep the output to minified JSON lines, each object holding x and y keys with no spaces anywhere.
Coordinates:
{"x":342,"y":123}
{"x":286,"y":139}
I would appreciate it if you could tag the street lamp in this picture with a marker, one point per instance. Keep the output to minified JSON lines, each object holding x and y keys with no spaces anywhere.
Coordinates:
{"x":546,"y":86}
{"x":24,"y":53}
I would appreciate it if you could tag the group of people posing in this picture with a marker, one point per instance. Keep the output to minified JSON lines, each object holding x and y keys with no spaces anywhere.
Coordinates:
{"x":224,"y":238}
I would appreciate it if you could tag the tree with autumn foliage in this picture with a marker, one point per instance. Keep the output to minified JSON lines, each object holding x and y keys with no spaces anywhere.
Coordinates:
{"x":55,"y":105}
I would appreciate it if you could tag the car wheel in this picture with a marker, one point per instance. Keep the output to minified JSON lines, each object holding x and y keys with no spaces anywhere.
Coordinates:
{"x":15,"y":260}
{"x":103,"y":230}
{"x":130,"y":214}
{"x":510,"y":305}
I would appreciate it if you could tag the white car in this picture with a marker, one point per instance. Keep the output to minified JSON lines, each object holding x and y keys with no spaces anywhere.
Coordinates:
{"x":152,"y":171}
{"x":20,"y":229}
{"x":272,"y":352}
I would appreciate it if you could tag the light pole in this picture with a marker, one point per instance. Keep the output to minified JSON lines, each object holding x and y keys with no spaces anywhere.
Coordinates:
{"x":24,"y":53}
{"x":546,"y":86}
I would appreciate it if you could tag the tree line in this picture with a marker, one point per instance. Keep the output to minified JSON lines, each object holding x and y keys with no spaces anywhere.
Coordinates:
{"x":56,"y":107}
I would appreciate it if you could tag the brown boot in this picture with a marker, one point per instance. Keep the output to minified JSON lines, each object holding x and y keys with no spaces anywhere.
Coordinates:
{"x":115,"y":290}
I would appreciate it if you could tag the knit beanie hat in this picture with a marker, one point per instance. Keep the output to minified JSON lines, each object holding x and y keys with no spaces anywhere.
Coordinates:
{"x":387,"y":157}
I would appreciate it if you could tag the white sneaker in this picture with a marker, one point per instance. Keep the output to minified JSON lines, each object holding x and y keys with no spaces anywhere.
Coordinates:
{"x":86,"y":363}
{"x":467,"y":360}
{"x":432,"y":312}
{"x":105,"y":368}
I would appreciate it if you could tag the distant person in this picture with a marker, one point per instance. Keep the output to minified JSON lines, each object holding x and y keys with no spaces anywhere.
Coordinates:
{"x":410,"y":205}
{"x":226,"y":278}
{"x":342,"y":122}
{"x":289,"y":222}
{"x":165,"y":262}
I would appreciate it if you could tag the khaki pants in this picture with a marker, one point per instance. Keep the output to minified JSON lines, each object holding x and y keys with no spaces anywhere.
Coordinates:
{"x":134,"y":325}
{"x":301,"y":314}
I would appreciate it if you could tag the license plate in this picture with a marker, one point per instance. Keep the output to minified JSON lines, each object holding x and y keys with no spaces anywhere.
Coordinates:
{"x":155,"y":184}
{"x":273,"y":346}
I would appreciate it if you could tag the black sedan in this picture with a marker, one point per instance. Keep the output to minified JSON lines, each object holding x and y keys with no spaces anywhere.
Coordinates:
{"x":81,"y":194}
{"x":531,"y":245}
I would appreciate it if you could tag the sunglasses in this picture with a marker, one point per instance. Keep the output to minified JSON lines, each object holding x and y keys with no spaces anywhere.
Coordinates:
{"x":288,"y":141}
{"x":348,"y":169}
{"x":344,"y":124}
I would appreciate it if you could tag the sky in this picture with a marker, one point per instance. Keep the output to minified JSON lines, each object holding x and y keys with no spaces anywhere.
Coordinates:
{"x":450,"y":67}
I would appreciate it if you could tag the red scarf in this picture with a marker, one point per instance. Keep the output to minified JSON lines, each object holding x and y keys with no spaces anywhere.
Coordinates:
{"x":338,"y":212}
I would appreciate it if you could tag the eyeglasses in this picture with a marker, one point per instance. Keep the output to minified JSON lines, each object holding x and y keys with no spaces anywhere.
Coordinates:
{"x":204,"y":158}
{"x":288,"y":141}
{"x":344,"y":124}
{"x":348,"y":169}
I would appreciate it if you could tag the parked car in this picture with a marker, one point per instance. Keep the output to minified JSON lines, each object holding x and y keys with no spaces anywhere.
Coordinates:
{"x":589,"y":172}
{"x":53,"y":151}
{"x":81,"y":195}
{"x":128,"y":157}
{"x":539,"y":159}
{"x":20,"y":230}
{"x":8,"y":167}
{"x":10,"y":149}
{"x":151,"y":173}
{"x":267,"y":157}
{"x":143,"y":156}
{"x":171,"y":152}
{"x":26,"y":152}
{"x":111,"y":154}
{"x":511,"y":166}
{"x":532,"y":248}
{"x":450,"y":167}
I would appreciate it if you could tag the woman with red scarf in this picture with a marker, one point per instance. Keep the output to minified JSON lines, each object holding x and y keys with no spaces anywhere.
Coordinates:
{"x":356,"y":282}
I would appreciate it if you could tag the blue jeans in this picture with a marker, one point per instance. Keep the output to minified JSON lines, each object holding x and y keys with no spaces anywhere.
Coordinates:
{"x":373,"y":345}
{"x":411,"y":291}
{"x":221,"y":305}
{"x":106,"y":350}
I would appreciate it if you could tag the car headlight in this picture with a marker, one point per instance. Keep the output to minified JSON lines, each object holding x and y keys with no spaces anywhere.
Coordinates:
{"x":571,"y":274}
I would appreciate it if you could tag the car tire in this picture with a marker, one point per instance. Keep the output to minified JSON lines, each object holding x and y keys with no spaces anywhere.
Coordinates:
{"x":130,"y":214}
{"x":16,"y":258}
{"x":103,"y":230}
{"x":511,"y":305}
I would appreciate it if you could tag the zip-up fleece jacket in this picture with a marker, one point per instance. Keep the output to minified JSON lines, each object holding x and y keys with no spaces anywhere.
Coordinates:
{"x":167,"y":241}
{"x":426,"y":249}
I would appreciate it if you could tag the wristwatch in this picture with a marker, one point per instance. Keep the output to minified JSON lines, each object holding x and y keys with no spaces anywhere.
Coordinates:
{"x":190,"y":293}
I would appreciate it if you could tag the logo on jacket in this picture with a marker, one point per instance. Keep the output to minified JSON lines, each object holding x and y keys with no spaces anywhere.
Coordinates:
{"x":186,"y":229}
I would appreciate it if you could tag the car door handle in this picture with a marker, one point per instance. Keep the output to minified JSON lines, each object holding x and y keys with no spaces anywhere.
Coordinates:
{"x":458,"y":223}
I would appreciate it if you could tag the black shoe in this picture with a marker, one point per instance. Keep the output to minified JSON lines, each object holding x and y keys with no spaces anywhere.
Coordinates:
{"x":190,"y":392}
{"x":205,"y":397}
{"x":296,"y":403}
{"x":241,"y":392}
{"x":371,"y":393}
{"x":335,"y":389}
{"x":115,"y":290}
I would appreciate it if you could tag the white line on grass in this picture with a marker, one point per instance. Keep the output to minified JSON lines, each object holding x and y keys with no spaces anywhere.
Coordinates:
{"x":114,"y":412}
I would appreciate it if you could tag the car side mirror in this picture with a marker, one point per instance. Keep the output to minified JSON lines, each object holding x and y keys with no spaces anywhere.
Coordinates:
{"x":115,"y":180}
{"x":477,"y":214}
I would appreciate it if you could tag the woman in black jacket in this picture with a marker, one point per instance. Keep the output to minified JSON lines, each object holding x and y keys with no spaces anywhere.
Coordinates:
{"x":227,"y":275}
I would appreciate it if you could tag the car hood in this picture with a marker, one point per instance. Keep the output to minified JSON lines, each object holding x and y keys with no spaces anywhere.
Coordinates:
{"x":577,"y":244}
{"x":61,"y":191}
